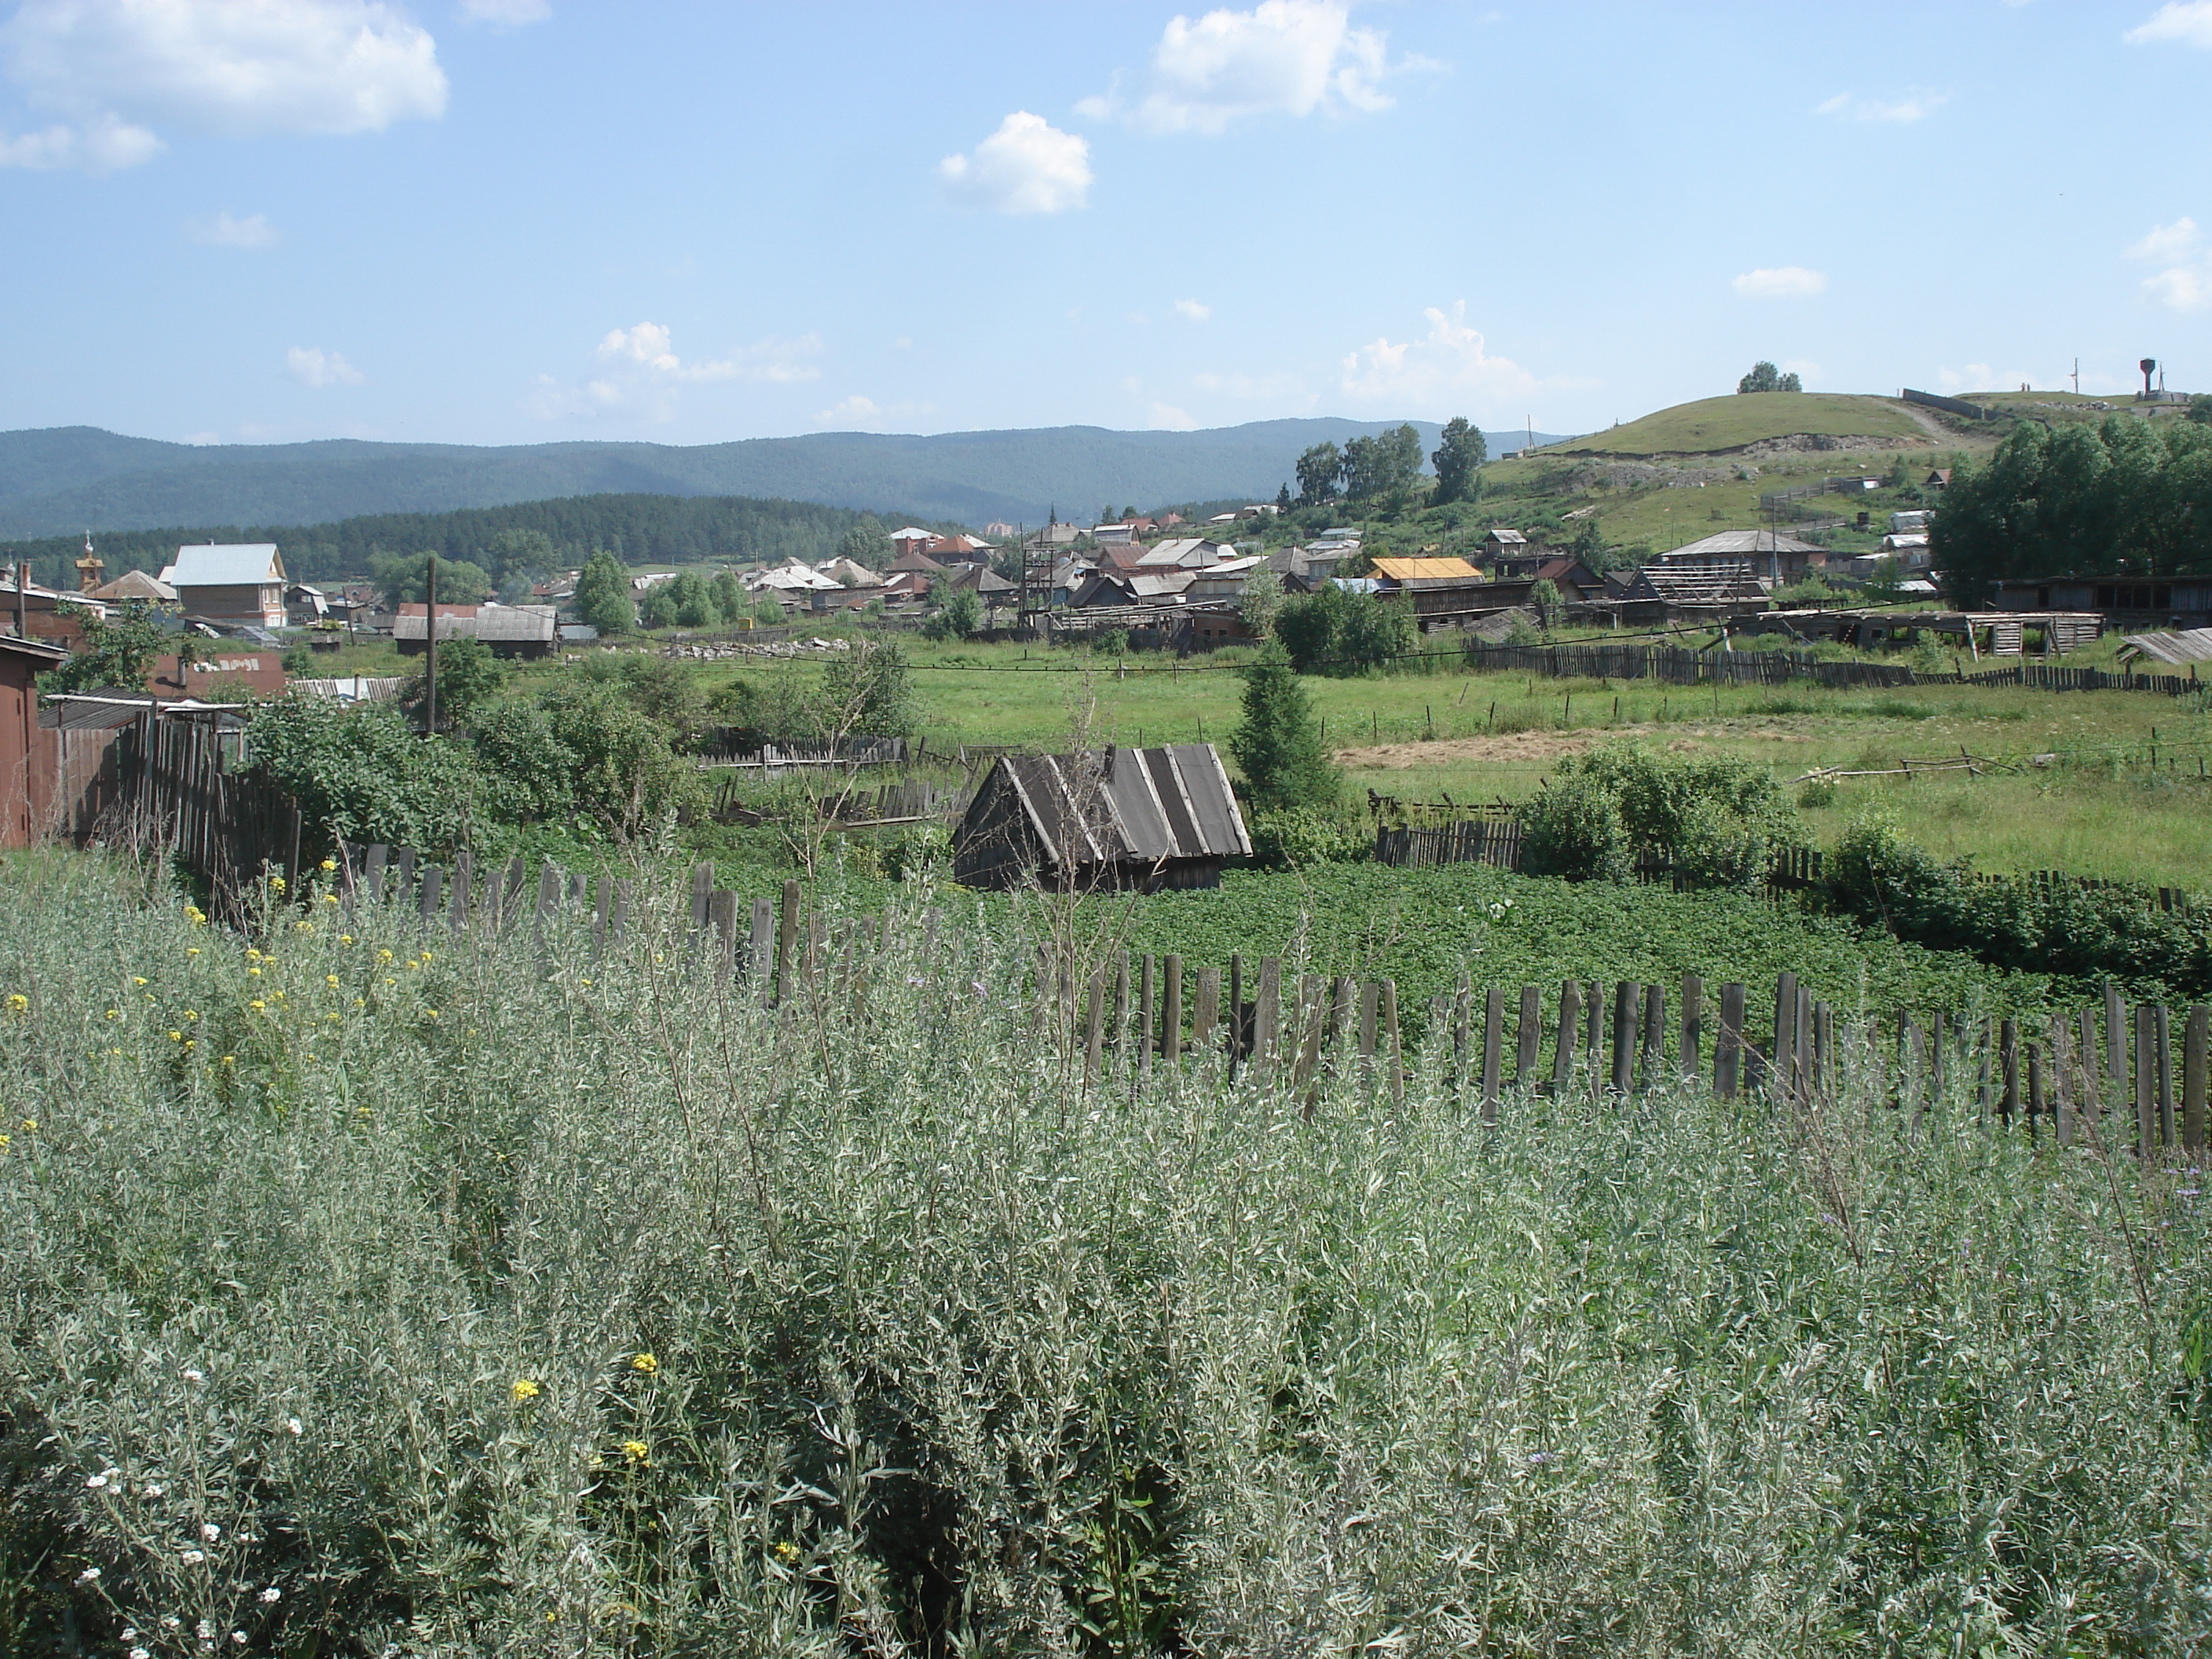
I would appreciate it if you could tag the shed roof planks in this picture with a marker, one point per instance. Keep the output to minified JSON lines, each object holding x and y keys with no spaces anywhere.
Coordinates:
{"x":1118,"y":817}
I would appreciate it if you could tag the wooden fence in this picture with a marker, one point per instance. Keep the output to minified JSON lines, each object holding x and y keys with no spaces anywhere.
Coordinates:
{"x":1679,"y":665}
{"x":2111,"y":1074}
{"x":178,"y":787}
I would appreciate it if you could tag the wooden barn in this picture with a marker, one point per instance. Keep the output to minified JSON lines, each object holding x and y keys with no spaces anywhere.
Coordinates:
{"x":1119,"y":818}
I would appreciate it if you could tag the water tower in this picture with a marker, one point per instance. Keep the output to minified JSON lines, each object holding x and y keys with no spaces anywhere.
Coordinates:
{"x":2149,"y":366}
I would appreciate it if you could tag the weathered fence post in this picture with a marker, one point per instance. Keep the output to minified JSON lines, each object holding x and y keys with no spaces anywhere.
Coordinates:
{"x":2164,"y":1076}
{"x":760,"y":948}
{"x":1563,"y":1049}
{"x":1394,"y":1052}
{"x":602,"y":898}
{"x":1094,"y":1030}
{"x":1119,"y":1032}
{"x":1823,"y":1078}
{"x":1370,"y":998}
{"x":2116,"y":1049}
{"x":434,"y":880}
{"x":1727,"y":1046}
{"x":1207,"y":1014}
{"x":702,"y":890}
{"x":786,"y":943}
{"x":1144,"y":990}
{"x":2036,"y":1103}
{"x":2146,"y":1081}
{"x":2088,"y":1074}
{"x":464,"y":870}
{"x":1624,"y":1036}
{"x":1493,"y":1049}
{"x":1594,"y":1036}
{"x":1528,"y":1036}
{"x":722,"y":911}
{"x":2194,"y":1037}
{"x":1171,"y":1011}
{"x":2008,"y":1064}
{"x":1785,"y":1034}
{"x":618,"y":920}
{"x":374,"y":882}
{"x":1237,"y":1028}
{"x":1654,"y":1035}
{"x":549,"y":893}
{"x":1687,"y":1057}
{"x":1268,"y":1014}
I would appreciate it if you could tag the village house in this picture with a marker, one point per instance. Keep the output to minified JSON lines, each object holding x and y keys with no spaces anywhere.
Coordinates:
{"x":1127,"y":818}
{"x":1775,"y":558}
{"x":1185,"y":553}
{"x":135,"y":587}
{"x":508,"y":631}
{"x":33,"y":612}
{"x":2142,"y":601}
{"x":235,"y":584}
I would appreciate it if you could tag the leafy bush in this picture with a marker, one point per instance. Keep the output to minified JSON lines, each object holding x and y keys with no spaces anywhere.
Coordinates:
{"x":1880,"y":876}
{"x":1719,"y":821}
{"x":363,"y":774}
{"x":959,"y":615}
{"x":1335,"y":631}
{"x":1296,"y":837}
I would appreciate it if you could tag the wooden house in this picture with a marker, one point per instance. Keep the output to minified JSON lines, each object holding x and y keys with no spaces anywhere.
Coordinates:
{"x":1119,"y":818}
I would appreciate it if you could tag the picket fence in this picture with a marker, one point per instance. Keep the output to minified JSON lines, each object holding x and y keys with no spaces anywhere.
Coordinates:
{"x":2104,"y":1075}
{"x":1680,"y":665}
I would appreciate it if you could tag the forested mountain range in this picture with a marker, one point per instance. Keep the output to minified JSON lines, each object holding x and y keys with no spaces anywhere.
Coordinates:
{"x":66,"y":480}
{"x":640,"y":529}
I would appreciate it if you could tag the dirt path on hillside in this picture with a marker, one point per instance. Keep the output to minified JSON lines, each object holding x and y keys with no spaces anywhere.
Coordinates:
{"x":1536,"y":747}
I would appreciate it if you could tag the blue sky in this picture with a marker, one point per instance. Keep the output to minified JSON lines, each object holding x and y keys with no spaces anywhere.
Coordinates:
{"x":512,"y":221}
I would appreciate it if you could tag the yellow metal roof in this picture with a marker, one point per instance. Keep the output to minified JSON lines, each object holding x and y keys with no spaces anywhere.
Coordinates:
{"x":1427,"y":570}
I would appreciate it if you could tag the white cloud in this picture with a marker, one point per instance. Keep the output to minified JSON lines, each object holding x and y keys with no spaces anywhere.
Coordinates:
{"x":111,"y":71}
{"x":507,"y":13}
{"x":202,"y":440}
{"x":852,"y":411}
{"x":254,"y":230}
{"x":1282,"y":58}
{"x":649,"y":348}
{"x":1197,"y":310}
{"x":2186,"y":284}
{"x":2188,"y":21}
{"x":1028,"y":165}
{"x":1451,"y":361}
{"x":1166,"y":417}
{"x":1917,"y":105}
{"x":1780,"y":283}
{"x":2172,"y":241}
{"x":312,"y":366}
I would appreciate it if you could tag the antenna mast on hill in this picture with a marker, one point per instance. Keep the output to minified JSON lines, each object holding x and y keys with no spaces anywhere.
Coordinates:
{"x":2077,"y":377}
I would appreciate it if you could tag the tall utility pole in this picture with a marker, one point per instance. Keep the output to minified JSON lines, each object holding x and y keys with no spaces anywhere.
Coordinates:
{"x":430,"y":652}
{"x":2077,"y":377}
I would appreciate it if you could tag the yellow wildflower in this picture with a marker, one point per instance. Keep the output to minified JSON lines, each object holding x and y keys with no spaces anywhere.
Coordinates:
{"x":137,"y":979}
{"x":230,"y":1059}
{"x":383,"y":956}
{"x":524,"y":1390}
{"x":258,"y":1005}
{"x":785,"y":1551}
{"x":18,"y":1003}
{"x":303,"y":926}
{"x":3,"y":1143}
{"x":276,"y":884}
{"x":189,"y":1015}
{"x":253,"y":973}
{"x":252,"y":955}
{"x":115,"y":1013}
{"x":426,"y":955}
{"x":345,"y":939}
{"x":330,"y":979}
{"x":30,"y":1126}
{"x":176,"y":1036}
{"x":328,"y":865}
{"x":330,"y":898}
{"x":433,"y":1012}
{"x":637,"y":1451}
{"x":192,"y":950}
{"x":646,"y":1363}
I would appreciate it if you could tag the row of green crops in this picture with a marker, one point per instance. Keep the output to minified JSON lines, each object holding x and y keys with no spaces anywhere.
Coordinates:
{"x":368,"y":1291}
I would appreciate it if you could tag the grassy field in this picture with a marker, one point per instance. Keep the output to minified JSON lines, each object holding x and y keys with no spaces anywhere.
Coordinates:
{"x":1711,"y":425}
{"x":2098,"y":808}
{"x":366,"y":1292}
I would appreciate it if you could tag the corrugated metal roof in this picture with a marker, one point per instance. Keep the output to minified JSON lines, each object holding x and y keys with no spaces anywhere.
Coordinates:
{"x":497,"y":623}
{"x":239,"y":564}
{"x":1737,"y":544}
{"x":137,"y":585}
{"x":1427,"y":570}
{"x":1122,"y":803}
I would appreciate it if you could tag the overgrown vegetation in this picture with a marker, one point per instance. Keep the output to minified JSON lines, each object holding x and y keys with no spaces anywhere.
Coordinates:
{"x":1716,"y":821}
{"x":365,"y":1292}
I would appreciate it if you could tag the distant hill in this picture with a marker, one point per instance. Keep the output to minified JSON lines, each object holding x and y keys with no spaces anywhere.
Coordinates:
{"x":1713,"y":425}
{"x":68,"y":479}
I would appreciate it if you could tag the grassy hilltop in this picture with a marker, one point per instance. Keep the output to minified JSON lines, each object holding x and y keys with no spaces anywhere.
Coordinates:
{"x":1717,"y":425}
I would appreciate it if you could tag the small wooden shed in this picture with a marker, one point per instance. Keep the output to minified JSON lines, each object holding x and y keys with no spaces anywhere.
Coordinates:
{"x":1119,"y":818}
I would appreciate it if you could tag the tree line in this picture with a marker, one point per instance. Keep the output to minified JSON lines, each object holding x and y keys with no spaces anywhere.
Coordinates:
{"x":2126,"y":498}
{"x":531,"y":536}
{"x":1384,"y":470}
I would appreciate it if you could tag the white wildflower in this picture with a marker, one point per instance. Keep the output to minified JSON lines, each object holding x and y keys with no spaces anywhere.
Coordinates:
{"x":140,"y":1653}
{"x":209,"y":1531}
{"x":95,"y":1481}
{"x":151,"y":1489}
{"x":292,"y":1426}
{"x":193,"y":1557}
{"x":89,"y":1576}
{"x":239,"y":1636}
{"x":207,"y":1630}
{"x":195,"y":1376}
{"x":271,"y":1594}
